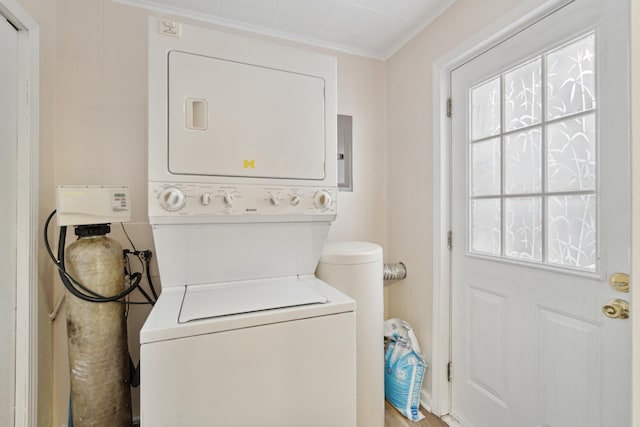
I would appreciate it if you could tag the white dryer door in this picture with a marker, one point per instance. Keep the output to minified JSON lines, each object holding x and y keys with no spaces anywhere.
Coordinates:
{"x":234,"y":119}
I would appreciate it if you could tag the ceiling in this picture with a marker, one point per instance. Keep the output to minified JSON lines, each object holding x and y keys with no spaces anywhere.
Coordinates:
{"x":371,"y":28}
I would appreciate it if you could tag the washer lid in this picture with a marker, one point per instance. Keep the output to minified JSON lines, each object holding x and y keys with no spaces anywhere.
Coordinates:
{"x":217,"y":300}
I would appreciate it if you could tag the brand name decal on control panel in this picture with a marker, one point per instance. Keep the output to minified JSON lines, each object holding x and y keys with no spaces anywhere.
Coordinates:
{"x":249,"y":164}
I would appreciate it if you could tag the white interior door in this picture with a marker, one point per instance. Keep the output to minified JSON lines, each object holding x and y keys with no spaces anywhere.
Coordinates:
{"x":540,"y":221}
{"x":8,"y":147}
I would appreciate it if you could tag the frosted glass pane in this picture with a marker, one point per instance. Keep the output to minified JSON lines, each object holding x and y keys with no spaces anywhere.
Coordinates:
{"x":571,"y":158}
{"x":485,"y":109}
{"x":571,"y":236}
{"x":485,"y":226}
{"x":523,"y":98}
{"x":485,"y":167}
{"x":523,"y":155}
{"x":571,"y":78}
{"x":523,"y":228}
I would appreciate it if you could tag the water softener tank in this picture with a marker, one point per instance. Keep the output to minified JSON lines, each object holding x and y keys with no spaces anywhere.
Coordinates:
{"x":355,"y":268}
{"x":97,"y":334}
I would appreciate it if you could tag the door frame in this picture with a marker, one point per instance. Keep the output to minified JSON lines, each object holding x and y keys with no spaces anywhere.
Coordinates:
{"x":26,"y":378}
{"x":521,"y":17}
{"x":635,"y":205}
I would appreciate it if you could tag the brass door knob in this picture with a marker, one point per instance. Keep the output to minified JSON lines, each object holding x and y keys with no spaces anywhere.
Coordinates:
{"x":616,"y":309}
{"x":619,"y":282}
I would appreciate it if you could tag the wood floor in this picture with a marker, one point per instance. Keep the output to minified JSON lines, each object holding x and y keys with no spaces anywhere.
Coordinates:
{"x":393,"y":418}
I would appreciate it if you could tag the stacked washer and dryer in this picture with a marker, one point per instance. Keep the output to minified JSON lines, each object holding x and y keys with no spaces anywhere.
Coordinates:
{"x":242,"y":192}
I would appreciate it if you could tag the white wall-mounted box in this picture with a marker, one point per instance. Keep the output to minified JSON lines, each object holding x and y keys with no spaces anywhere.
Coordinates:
{"x":92,"y":204}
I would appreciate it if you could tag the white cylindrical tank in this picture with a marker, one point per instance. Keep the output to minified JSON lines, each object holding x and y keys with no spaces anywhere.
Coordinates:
{"x":355,"y":268}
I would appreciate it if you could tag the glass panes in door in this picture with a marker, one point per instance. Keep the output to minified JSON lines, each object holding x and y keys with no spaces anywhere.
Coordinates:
{"x":533,"y":160}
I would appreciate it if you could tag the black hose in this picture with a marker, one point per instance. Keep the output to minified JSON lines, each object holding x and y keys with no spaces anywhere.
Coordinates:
{"x":147,"y":258}
{"x":71,"y":284}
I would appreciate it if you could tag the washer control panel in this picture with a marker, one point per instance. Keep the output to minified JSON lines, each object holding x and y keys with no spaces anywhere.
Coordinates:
{"x":225,"y":200}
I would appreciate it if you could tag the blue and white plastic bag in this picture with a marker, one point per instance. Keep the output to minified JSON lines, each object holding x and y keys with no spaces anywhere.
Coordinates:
{"x":404,"y":368}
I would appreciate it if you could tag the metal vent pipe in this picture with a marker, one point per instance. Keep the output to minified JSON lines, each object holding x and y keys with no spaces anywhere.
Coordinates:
{"x":394,"y":271}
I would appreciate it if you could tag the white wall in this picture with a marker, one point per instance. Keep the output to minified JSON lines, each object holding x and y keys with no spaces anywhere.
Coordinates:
{"x":93,"y":131}
{"x":362,"y":213}
{"x":410,"y":154}
{"x":94,"y":116}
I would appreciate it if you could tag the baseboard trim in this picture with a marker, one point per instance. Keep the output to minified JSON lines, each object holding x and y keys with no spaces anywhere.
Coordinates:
{"x":452,"y":421}
{"x":425,"y":400}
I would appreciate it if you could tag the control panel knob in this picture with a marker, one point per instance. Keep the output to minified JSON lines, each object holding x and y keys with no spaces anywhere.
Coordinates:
{"x":295,"y":200}
{"x":172,"y":199}
{"x":228,"y":199}
{"x":205,"y":199}
{"x":273,"y":199}
{"x":322,"y":199}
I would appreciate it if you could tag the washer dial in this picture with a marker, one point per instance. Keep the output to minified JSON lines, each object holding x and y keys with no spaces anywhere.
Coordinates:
{"x":205,"y":199}
{"x":228,"y":199}
{"x":172,"y":199}
{"x":295,"y":199}
{"x":322,"y":199}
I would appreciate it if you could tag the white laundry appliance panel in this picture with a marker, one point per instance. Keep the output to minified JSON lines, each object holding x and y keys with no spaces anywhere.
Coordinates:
{"x":202,"y":203}
{"x":242,"y":191}
{"x":281,"y":367}
{"x":287,"y":374}
{"x":163,"y":323}
{"x":210,"y":253}
{"x":233,"y":119}
{"x":253,"y":296}
{"x":228,"y":109}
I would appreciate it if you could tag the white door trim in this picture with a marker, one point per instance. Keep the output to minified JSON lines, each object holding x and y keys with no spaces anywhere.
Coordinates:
{"x":635,"y":203}
{"x":27,"y":215}
{"x":523,"y":16}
